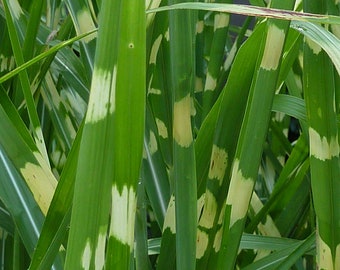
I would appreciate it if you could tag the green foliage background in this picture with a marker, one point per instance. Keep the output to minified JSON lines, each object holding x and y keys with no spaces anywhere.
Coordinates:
{"x":161,"y":135}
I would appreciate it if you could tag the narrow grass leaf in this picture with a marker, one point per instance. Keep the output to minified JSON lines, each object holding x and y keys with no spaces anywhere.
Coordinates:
{"x":129,"y":117}
{"x":86,"y":247}
{"x":325,"y":39}
{"x":154,"y":174}
{"x":20,"y":202}
{"x":24,"y":80}
{"x":290,"y":105}
{"x":249,"y":10}
{"x":58,"y":217}
{"x":28,"y":161}
{"x":32,"y":29}
{"x":278,"y":257}
{"x":182,"y":53}
{"x":210,"y":94}
{"x":252,"y":136}
{"x":229,"y":117}
{"x":41,"y":56}
{"x":324,"y":146}
{"x":111,"y":147}
{"x":297,"y":253}
{"x":83,"y":22}
{"x":61,"y":120}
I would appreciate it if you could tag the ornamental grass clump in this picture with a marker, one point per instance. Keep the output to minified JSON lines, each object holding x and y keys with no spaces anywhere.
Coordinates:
{"x":164,"y":135}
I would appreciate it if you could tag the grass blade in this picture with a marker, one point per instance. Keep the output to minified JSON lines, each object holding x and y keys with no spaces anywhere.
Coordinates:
{"x":249,"y":10}
{"x":182,"y":54}
{"x":58,"y":217}
{"x":324,"y":146}
{"x":111,"y":146}
{"x":24,"y":80}
{"x":252,"y":136}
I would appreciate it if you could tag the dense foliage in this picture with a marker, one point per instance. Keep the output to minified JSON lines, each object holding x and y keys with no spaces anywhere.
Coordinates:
{"x":169,"y":135}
